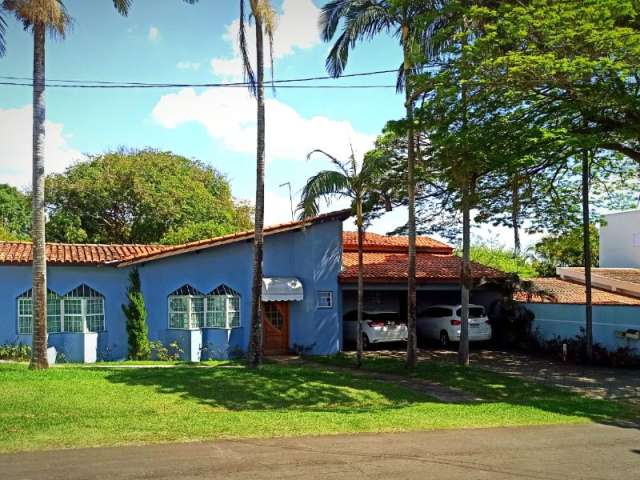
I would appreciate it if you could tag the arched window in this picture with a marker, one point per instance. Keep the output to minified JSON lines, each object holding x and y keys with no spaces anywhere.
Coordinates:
{"x":186,"y":308}
{"x":223,"y":308}
{"x":25,"y":312}
{"x":83,"y":310}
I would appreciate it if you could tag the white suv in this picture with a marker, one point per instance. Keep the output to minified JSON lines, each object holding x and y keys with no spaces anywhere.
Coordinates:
{"x":377,"y":327}
{"x":442,"y":322}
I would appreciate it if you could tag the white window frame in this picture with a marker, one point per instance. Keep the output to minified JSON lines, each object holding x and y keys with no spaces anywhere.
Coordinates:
{"x":328,"y":293}
{"x":228,"y":312}
{"x":20,"y":316}
{"x":63,"y":324}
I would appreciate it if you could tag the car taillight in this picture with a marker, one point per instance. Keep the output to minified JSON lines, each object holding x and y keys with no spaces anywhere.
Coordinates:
{"x":375,"y":324}
{"x":455,"y":323}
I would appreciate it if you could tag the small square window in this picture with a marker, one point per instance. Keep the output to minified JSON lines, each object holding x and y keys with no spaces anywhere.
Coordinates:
{"x":325,"y":299}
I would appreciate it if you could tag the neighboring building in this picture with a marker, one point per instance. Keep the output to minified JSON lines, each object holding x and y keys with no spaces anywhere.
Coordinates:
{"x":199,"y":294}
{"x":562,"y":315}
{"x":620,"y":240}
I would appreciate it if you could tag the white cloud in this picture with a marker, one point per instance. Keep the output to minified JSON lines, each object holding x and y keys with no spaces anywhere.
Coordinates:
{"x":16,"y":147}
{"x":154,"y":33}
{"x":229,"y":116}
{"x":187,"y":65}
{"x":297,"y":29}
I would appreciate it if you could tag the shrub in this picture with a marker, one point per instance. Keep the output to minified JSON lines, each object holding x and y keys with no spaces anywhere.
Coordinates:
{"x":162,"y":353}
{"x":577,"y":352}
{"x":15,"y":352}
{"x":136,"y":313}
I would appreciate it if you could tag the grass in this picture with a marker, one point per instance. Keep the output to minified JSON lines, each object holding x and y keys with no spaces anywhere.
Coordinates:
{"x":495,"y":387}
{"x":80,"y":406}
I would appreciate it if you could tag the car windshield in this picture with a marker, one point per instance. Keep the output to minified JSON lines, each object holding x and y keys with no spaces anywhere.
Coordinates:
{"x":474,"y":312}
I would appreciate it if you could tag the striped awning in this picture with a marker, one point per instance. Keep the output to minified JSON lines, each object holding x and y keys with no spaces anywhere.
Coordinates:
{"x":282,"y":289}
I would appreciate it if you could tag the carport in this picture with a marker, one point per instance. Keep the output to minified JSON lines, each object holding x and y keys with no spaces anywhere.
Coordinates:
{"x":385,"y":274}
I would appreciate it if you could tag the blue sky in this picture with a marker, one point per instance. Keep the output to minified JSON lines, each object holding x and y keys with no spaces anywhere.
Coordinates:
{"x":170,"y":41}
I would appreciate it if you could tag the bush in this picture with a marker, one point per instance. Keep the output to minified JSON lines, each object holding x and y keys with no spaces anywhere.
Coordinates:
{"x":162,"y":353}
{"x":136,"y":313}
{"x":15,"y":352}
{"x":625,"y":357}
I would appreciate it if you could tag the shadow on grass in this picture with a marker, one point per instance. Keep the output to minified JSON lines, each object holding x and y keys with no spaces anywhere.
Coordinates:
{"x":495,"y":387}
{"x":272,"y":387}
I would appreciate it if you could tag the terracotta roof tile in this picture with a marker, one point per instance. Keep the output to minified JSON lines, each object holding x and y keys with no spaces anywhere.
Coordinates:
{"x":384,"y":267}
{"x":566,"y":292}
{"x":18,"y":253}
{"x":374,"y":242}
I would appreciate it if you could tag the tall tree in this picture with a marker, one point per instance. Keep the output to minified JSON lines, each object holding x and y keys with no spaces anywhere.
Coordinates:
{"x":15,"y":214}
{"x":40,"y":17}
{"x":362,"y":20}
{"x":364,"y":186}
{"x":141,"y":196}
{"x":265,"y":19}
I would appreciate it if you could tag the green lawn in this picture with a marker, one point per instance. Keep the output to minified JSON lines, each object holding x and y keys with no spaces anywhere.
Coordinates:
{"x":76,"y":406}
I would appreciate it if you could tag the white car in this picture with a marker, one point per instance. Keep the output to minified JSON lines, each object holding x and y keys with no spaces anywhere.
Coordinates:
{"x":377,"y":327}
{"x":442,"y":322}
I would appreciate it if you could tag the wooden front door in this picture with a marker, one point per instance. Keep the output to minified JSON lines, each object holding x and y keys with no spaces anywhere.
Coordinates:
{"x":275,"y":324}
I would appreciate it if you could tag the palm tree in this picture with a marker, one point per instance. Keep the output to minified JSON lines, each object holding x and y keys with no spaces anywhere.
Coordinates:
{"x":265,"y":18}
{"x":364,"y":188}
{"x":363,"y":20}
{"x":41,"y":16}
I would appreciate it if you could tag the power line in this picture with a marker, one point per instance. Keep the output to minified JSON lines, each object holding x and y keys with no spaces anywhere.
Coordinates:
{"x":213,"y":85}
{"x":66,"y":83}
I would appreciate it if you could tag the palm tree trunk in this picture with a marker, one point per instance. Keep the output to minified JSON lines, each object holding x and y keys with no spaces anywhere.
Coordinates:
{"x":515,"y":216}
{"x":256,"y":347}
{"x":586,"y":225}
{"x":463,"y":352}
{"x":39,"y":265}
{"x":359,"y":339}
{"x":412,"y":341}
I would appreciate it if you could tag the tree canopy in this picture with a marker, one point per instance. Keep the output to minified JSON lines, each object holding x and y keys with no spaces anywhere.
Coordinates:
{"x":15,"y":214}
{"x":144,"y":196}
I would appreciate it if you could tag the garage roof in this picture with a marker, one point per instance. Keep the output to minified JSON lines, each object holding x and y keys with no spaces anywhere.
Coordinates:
{"x":567,"y":292}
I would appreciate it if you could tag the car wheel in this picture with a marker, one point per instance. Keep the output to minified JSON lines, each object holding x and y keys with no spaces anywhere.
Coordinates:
{"x":365,"y":342}
{"x":444,"y":339}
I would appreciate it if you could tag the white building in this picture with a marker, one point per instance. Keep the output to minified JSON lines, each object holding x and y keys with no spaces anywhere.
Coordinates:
{"x":620,"y":240}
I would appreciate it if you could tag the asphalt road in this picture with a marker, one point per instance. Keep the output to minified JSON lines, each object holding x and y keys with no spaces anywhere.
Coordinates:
{"x":549,"y":453}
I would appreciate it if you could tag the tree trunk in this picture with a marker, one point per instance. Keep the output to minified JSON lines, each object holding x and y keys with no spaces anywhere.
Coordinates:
{"x":515,"y":216}
{"x":359,"y":339}
{"x":412,"y":340}
{"x":586,"y":225}
{"x":256,"y":343}
{"x":39,"y":265}
{"x":466,"y":279}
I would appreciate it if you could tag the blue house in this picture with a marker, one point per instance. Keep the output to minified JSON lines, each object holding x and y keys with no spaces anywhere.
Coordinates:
{"x":197,"y":294}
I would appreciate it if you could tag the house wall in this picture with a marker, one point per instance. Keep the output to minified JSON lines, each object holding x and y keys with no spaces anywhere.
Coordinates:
{"x":313,"y":255}
{"x":109,"y":281}
{"x":620,"y":240}
{"x":563,"y":321}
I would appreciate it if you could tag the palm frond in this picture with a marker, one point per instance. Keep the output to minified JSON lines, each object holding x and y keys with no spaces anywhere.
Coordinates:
{"x":3,"y":31}
{"x":249,"y":75}
{"x":341,"y":166}
{"x":52,"y":13}
{"x":122,"y":6}
{"x":322,"y":186}
{"x":363,"y":19}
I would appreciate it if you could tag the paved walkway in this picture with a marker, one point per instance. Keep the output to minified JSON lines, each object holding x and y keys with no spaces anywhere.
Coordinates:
{"x":546,"y":453}
{"x":593,"y":382}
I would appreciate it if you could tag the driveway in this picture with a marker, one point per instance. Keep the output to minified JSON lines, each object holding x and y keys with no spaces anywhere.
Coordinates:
{"x":594,"y":382}
{"x":549,"y":453}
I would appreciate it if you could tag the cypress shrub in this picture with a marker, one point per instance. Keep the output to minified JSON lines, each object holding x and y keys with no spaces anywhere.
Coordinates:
{"x":136,"y":313}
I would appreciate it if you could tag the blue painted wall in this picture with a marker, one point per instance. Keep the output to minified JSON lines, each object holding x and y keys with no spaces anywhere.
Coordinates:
{"x":565,"y":320}
{"x":313,"y":255}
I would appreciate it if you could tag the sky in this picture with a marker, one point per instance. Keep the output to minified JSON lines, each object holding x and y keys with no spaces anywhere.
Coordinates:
{"x":173,"y":42}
